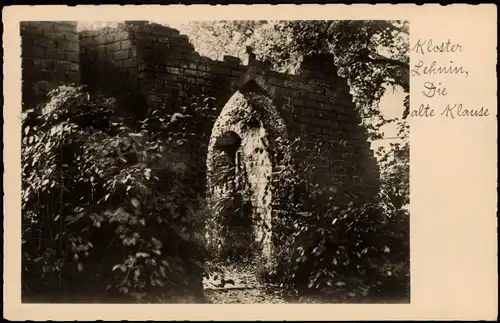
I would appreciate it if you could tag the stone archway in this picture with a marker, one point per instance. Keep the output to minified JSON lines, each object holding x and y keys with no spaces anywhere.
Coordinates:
{"x":243,"y":158}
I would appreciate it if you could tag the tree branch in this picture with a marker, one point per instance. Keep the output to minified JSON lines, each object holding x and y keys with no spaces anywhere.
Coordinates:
{"x":401,"y":78}
{"x":364,"y":55}
{"x":401,"y":30}
{"x":385,"y":60}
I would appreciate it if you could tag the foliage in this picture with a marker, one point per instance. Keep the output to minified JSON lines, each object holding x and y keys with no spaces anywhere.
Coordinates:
{"x":108,"y":204}
{"x":395,"y":168}
{"x":371,"y":55}
{"x":341,"y":246}
{"x":346,"y":245}
{"x":111,"y":206}
{"x":233,"y":223}
{"x":347,"y":250}
{"x":230,"y":36}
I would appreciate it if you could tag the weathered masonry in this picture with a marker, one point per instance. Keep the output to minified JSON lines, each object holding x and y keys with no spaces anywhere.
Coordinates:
{"x":149,"y":66}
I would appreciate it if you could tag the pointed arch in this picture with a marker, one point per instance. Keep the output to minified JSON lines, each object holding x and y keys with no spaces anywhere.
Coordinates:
{"x":250,"y":116}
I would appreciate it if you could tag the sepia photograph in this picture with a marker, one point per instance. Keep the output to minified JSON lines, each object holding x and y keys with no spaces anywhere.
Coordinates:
{"x":215,"y":161}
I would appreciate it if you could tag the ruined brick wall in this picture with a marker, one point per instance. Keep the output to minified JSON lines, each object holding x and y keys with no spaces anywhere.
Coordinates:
{"x":154,"y":60}
{"x":150,"y":66}
{"x":164,"y":69}
{"x":50,"y":57}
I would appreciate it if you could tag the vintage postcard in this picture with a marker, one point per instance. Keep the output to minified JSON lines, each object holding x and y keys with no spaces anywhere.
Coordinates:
{"x":312,"y":162}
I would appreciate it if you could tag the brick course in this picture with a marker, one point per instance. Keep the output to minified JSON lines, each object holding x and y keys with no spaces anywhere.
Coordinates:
{"x":50,"y":57}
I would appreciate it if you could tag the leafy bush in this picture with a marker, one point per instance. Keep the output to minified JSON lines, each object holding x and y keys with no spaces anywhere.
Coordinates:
{"x":347,"y":250}
{"x":395,"y":168}
{"x":109,"y":206}
{"x":342,"y":247}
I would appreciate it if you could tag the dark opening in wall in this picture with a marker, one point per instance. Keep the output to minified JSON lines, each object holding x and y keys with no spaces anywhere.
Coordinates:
{"x":231,"y":206}
{"x":226,"y":148}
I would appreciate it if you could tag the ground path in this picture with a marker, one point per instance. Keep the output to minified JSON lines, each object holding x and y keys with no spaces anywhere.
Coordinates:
{"x":238,"y":284}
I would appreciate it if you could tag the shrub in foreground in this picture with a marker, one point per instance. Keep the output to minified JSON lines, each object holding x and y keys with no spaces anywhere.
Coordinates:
{"x":108,"y":206}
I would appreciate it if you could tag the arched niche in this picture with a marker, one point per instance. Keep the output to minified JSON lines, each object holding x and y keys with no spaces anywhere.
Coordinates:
{"x":225,"y":159}
{"x":247,"y":149}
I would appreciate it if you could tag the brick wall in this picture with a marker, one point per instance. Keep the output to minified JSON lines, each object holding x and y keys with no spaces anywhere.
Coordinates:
{"x":152,"y":66}
{"x":148,"y":66}
{"x":50,"y":57}
{"x":164,"y":67}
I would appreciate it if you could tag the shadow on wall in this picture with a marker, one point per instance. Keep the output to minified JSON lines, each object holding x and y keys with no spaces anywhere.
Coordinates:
{"x":109,"y":63}
{"x":50,"y":57}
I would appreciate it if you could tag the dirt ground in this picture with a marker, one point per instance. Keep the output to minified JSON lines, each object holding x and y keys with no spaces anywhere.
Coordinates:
{"x":239,"y":284}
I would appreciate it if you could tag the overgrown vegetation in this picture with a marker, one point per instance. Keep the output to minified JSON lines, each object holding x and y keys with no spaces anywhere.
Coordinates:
{"x":371,"y":55}
{"x":341,"y":247}
{"x":110,"y":204}
{"x":346,"y":248}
